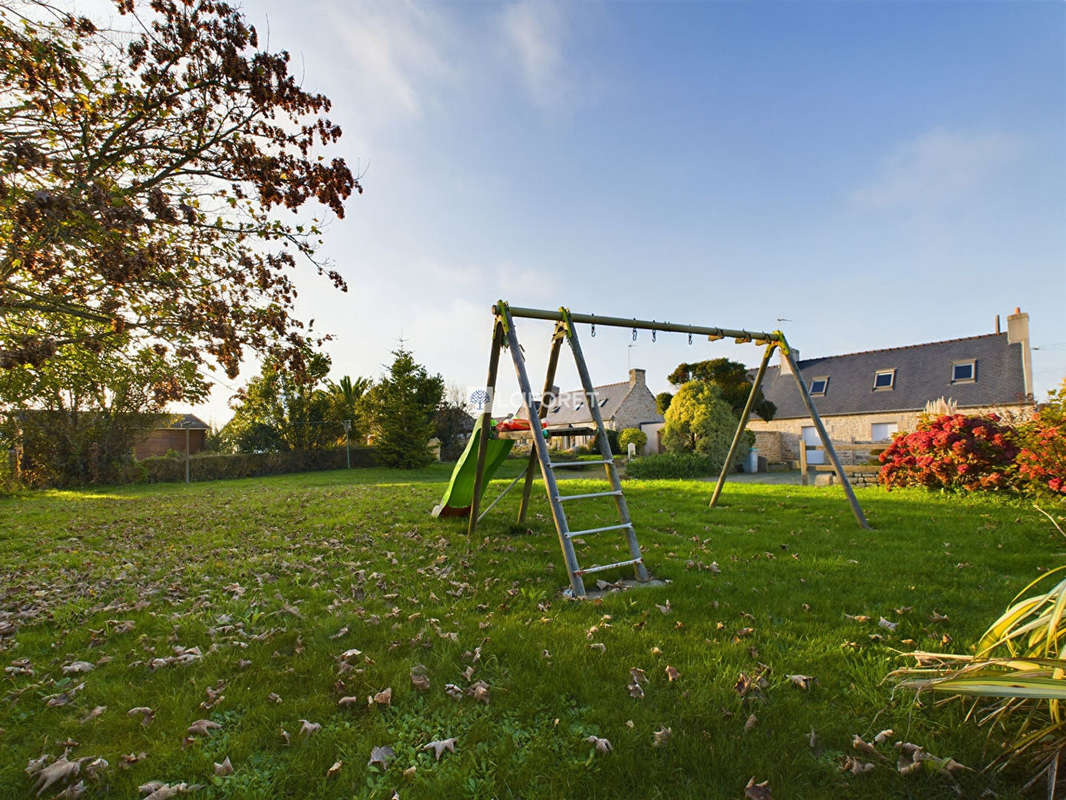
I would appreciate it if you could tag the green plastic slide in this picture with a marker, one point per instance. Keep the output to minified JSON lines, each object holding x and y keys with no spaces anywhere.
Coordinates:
{"x":460,"y":492}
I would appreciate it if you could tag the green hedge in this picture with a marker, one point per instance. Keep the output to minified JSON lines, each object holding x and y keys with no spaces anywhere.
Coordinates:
{"x":674,"y":465}
{"x":218,"y":466}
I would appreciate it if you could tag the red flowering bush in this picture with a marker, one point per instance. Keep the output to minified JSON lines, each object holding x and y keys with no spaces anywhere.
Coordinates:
{"x":1042,"y":459}
{"x":952,"y":452}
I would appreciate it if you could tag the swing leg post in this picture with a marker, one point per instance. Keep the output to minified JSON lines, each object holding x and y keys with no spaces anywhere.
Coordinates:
{"x":743,"y":423}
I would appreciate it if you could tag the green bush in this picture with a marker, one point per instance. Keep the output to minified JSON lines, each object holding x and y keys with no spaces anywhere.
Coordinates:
{"x":699,"y":421}
{"x":634,"y":435}
{"x":675,"y":465}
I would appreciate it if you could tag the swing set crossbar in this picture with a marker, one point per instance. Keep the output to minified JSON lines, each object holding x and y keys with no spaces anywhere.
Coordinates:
{"x":649,"y":325}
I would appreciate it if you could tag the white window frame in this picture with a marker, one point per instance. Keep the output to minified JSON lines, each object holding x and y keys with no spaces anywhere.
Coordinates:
{"x":874,"y":438}
{"x":891,"y":380}
{"x":825,"y":386}
{"x":964,"y":362}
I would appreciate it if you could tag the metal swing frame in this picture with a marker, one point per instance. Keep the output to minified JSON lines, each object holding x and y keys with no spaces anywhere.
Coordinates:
{"x":505,"y":336}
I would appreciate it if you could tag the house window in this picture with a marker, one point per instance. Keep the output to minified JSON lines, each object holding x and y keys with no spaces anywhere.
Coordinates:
{"x":603,"y":402}
{"x":884,"y":379}
{"x":882,"y":431}
{"x":964,"y":371}
{"x":819,"y":386}
{"x":578,"y":405}
{"x":555,"y":409}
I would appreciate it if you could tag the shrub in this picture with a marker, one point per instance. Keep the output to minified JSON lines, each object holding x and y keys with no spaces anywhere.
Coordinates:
{"x":632,"y":435}
{"x":700,"y":421}
{"x":215,"y":466}
{"x":675,"y":465}
{"x":952,"y":452}
{"x":1042,"y":459}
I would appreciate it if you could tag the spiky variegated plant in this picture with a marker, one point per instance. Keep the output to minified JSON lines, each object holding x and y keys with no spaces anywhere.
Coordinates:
{"x":1019,"y":661}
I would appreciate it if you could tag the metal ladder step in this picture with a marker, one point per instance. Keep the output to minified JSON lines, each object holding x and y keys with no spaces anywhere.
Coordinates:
{"x":564,"y":464}
{"x":603,"y":567}
{"x":564,"y":497}
{"x":575,"y":534}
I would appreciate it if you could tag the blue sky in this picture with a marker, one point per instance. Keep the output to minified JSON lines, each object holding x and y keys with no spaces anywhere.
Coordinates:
{"x":876,"y":174}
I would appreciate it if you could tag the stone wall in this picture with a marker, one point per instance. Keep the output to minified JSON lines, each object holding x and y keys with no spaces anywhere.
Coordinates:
{"x":770,"y":446}
{"x":638,"y":406}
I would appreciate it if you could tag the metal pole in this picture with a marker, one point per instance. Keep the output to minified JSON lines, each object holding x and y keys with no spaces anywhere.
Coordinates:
{"x":347,"y":442}
{"x":541,"y":446}
{"x":549,"y":377}
{"x":743,"y":422}
{"x":187,"y":455}
{"x":486,"y":426}
{"x":855,"y":509}
{"x":605,"y":447}
{"x":759,"y":337}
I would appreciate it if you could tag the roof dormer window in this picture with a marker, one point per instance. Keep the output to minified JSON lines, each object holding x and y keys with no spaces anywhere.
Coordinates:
{"x":964,"y":371}
{"x":884,"y":380}
{"x":819,"y":386}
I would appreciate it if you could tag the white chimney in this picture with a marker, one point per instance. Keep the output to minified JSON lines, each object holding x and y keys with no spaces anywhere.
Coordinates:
{"x":1018,"y":333}
{"x":786,"y":369}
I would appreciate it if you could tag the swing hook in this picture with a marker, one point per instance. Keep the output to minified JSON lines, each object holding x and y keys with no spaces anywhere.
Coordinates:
{"x":653,"y":335}
{"x":593,"y":330}
{"x":690,"y":338}
{"x":634,"y":334}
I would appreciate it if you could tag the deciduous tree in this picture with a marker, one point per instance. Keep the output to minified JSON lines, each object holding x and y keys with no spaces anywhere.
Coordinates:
{"x":143,"y":176}
{"x":731,"y":378}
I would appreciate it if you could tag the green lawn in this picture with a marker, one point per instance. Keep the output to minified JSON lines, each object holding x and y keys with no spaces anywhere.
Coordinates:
{"x":273,"y":579}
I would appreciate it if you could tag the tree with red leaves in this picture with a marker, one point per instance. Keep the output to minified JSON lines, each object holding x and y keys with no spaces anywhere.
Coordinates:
{"x":143,"y":176}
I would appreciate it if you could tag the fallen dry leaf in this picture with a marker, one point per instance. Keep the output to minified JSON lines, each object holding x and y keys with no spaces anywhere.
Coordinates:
{"x":309,"y":728}
{"x":223,"y":768}
{"x":601,"y":745}
{"x":479,"y":691}
{"x":855,"y":766}
{"x":166,"y":791}
{"x":348,"y":701}
{"x":439,"y":746}
{"x":381,"y":756}
{"x":751,"y":722}
{"x":333,"y":770}
{"x":672,"y":674}
{"x":802,"y":681}
{"x":202,"y":727}
{"x":661,"y":737}
{"x":420,"y":678}
{"x":382,"y":698}
{"x":57,"y":772}
{"x":144,"y":712}
{"x":757,"y":791}
{"x":78,"y":667}
{"x":887,"y":625}
{"x":863,"y":746}
{"x":883,"y":735}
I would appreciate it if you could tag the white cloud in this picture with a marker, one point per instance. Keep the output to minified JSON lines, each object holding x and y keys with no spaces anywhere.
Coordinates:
{"x":937,"y":168}
{"x":399,"y":52}
{"x":537,"y":30}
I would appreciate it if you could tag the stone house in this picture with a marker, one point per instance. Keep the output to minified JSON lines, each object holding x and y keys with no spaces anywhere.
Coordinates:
{"x":869,"y":396}
{"x":630,"y":404}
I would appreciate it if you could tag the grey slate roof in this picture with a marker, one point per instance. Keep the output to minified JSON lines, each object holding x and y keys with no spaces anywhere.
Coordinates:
{"x":923,"y":373}
{"x":183,"y":421}
{"x":570,"y":408}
